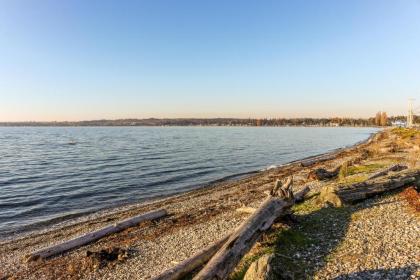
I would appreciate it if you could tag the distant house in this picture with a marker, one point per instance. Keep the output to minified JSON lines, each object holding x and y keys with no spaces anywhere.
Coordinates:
{"x":399,"y":123}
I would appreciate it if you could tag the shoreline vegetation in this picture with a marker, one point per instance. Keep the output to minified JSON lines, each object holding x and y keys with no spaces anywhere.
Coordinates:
{"x":323,"y":122}
{"x":325,"y":237}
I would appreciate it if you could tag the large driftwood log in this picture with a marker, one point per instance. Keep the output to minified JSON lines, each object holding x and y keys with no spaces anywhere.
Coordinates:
{"x":192,"y":263}
{"x":340,"y":195}
{"x":243,"y":238}
{"x":95,"y":235}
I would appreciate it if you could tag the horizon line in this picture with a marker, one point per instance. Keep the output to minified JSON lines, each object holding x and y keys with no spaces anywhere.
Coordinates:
{"x":193,"y":118}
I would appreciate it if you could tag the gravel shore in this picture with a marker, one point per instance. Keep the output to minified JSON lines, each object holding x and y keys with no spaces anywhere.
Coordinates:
{"x":381,"y":242}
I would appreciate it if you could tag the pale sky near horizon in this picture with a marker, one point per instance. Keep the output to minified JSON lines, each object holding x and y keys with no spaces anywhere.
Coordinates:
{"x":81,"y":60}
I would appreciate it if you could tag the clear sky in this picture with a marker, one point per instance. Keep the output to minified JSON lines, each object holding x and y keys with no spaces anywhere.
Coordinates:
{"x":74,"y":60}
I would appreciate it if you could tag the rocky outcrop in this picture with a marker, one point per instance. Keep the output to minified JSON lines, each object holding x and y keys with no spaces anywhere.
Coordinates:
{"x":260,"y":269}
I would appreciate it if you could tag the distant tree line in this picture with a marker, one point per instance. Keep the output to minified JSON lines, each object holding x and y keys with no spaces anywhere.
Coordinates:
{"x":381,"y":119}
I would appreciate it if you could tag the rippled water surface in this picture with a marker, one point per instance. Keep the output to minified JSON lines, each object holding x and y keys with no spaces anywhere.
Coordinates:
{"x":50,"y":173}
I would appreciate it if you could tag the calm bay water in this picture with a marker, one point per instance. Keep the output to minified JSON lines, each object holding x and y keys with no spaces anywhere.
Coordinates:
{"x":48,"y":174}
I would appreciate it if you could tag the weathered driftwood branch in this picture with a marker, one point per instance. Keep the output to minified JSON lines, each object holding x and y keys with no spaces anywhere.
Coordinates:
{"x":244,"y":237}
{"x":95,"y":235}
{"x":396,"y":167}
{"x":192,"y":263}
{"x":340,"y":195}
{"x":298,"y":197}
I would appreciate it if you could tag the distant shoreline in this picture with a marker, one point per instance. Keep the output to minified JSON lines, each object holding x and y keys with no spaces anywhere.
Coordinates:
{"x":265,"y":126}
{"x":229,"y":122}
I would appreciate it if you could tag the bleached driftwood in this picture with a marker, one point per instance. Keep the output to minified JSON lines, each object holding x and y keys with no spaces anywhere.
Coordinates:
{"x":95,"y":235}
{"x":244,"y":237}
{"x":192,"y":263}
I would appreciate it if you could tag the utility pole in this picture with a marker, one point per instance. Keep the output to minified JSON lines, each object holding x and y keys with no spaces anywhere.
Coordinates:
{"x":410,"y":112}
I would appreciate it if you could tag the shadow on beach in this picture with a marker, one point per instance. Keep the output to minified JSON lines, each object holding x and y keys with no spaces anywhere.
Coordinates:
{"x":302,"y":248}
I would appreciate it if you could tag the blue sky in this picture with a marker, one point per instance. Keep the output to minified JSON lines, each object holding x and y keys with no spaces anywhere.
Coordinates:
{"x":74,"y":60}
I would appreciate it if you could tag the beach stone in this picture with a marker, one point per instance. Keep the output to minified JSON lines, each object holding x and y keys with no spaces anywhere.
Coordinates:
{"x":328,"y":197}
{"x":260,"y":269}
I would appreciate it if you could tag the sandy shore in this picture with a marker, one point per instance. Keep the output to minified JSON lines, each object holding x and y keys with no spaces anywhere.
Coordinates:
{"x":196,"y":219}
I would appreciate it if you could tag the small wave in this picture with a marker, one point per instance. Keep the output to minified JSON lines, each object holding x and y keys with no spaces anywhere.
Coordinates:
{"x":269,"y":168}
